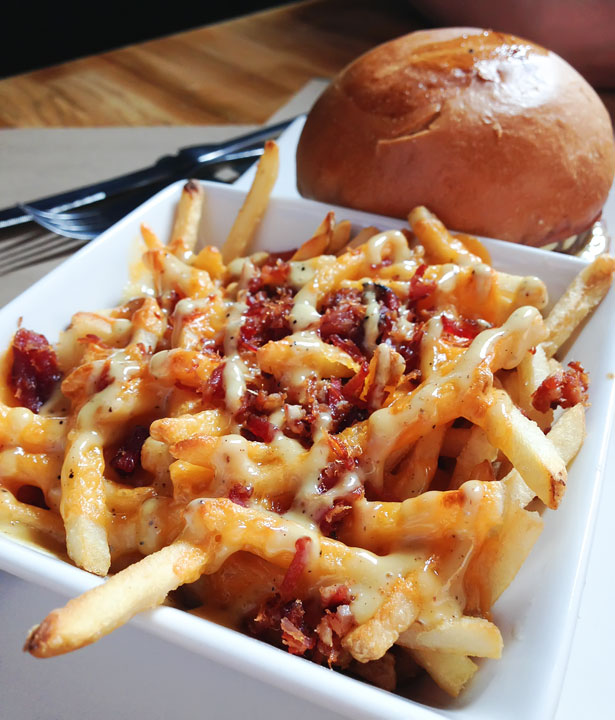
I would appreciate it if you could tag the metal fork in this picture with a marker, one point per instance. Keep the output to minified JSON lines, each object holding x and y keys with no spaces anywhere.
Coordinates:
{"x":68,"y":231}
{"x":89,"y":222}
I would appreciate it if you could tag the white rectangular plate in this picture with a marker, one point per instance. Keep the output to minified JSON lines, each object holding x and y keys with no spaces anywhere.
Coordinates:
{"x":536,"y":614}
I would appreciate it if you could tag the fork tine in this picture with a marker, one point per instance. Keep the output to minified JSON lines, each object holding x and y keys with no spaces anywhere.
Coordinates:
{"x":33,"y":257}
{"x":60,"y":227}
{"x":37,"y":243}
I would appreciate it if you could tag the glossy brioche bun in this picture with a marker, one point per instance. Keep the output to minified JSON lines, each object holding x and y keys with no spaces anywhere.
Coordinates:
{"x":495,"y":135}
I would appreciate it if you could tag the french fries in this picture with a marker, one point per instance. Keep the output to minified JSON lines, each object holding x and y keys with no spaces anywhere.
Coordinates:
{"x":338,"y":450}
{"x":253,"y":209}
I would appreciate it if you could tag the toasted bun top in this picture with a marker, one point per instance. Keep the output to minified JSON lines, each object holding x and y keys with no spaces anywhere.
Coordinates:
{"x":494,"y":134}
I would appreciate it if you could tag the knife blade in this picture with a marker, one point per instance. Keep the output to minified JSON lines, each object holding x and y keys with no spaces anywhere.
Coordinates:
{"x":168,"y":167}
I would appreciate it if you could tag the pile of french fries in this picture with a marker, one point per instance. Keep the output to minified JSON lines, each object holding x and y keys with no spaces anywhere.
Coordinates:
{"x":438,"y":471}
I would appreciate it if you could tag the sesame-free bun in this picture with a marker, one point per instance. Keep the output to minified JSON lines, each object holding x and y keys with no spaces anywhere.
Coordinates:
{"x":495,"y":135}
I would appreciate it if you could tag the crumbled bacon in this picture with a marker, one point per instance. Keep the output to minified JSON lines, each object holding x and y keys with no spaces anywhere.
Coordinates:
{"x":271,"y":276}
{"x":344,"y":411}
{"x":104,"y":379}
{"x":340,"y":452}
{"x":564,"y":388}
{"x":312,"y":628}
{"x":420,"y":288}
{"x":213,"y":390}
{"x":460,"y":331}
{"x":266,"y":318}
{"x":333,"y":595}
{"x":332,"y":519}
{"x":342,"y":463}
{"x":288,"y":588}
{"x":34,"y":372}
{"x":127,"y":459}
{"x":336,"y":622}
{"x":297,"y":641}
{"x":260,"y":427}
{"x":389,"y":308}
{"x":343,"y":315}
{"x":240,"y":494}
{"x":409,"y":347}
{"x":354,"y":387}
{"x":348,"y":346}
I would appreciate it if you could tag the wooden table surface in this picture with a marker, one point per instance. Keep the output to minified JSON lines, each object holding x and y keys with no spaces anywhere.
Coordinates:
{"x":240,"y":71}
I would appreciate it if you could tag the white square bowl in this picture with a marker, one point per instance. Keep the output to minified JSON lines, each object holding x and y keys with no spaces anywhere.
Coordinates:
{"x":536,"y":614}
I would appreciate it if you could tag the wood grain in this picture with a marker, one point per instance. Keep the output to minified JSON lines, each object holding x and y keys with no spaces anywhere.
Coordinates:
{"x":239,"y":71}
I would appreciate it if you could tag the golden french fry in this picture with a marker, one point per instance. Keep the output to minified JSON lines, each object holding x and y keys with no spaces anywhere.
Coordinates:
{"x":255,"y":204}
{"x":83,"y":505}
{"x":440,"y":245}
{"x":20,"y":427}
{"x":187,"y":218}
{"x":415,"y":472}
{"x":283,"y":357}
{"x":46,"y":521}
{"x":341,"y":236}
{"x":568,"y":432}
{"x":209,"y":259}
{"x":581,"y":297}
{"x":477,"y":449}
{"x":372,"y":639}
{"x":526,"y":446}
{"x":97,"y":612}
{"x":359,"y":239}
{"x":460,"y":636}
{"x":319,"y":243}
{"x":450,"y":671}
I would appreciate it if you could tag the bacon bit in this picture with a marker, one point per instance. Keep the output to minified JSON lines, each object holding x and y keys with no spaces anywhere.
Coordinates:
{"x":266,"y":318}
{"x":420,"y":288}
{"x":214,"y":391}
{"x":333,"y":595}
{"x":410,"y":348}
{"x":340,"y":451}
{"x":297,"y":641}
{"x":389,"y":308}
{"x":343,"y":315}
{"x":330,"y":631}
{"x":460,"y":331}
{"x":91,"y":339}
{"x":34,"y":372}
{"x":330,"y":475}
{"x":333,"y":517}
{"x":239,"y":494}
{"x":295,"y":419}
{"x":313,"y":629}
{"x":342,"y":620}
{"x":127,"y":459}
{"x":104,"y":379}
{"x":282,"y":624}
{"x":298,"y":564}
{"x":273,"y":275}
{"x":564,"y":388}
{"x":348,"y":346}
{"x":354,"y":387}
{"x":281,"y":504}
{"x":260,"y":427}
{"x":386,"y":296}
